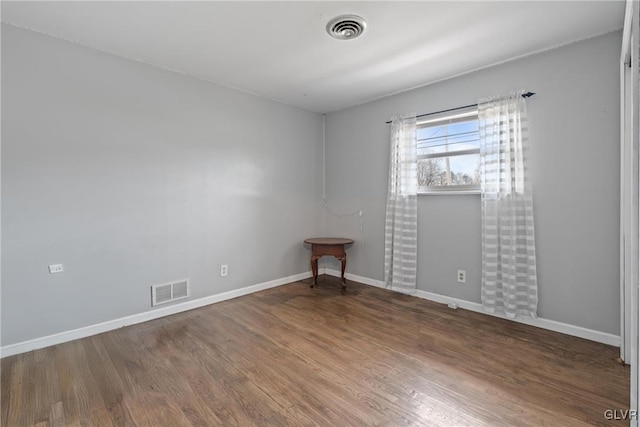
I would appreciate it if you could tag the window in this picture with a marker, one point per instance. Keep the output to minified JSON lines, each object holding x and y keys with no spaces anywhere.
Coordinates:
{"x":449,"y":153}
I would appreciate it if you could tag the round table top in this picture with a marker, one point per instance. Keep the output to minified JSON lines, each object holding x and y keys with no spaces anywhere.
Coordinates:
{"x":328,"y":241}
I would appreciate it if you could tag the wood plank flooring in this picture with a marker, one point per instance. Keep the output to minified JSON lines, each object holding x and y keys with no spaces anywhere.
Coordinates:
{"x":298,"y":356}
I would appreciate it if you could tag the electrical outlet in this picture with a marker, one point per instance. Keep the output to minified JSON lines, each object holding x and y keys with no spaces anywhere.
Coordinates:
{"x":224,"y":270}
{"x":462,"y":276}
{"x":56,"y":268}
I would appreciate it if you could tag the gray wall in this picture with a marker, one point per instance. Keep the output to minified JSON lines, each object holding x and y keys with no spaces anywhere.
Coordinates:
{"x":131,"y":176}
{"x":574,"y":129}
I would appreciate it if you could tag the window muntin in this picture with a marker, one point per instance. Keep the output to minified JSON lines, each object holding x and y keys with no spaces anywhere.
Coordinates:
{"x":449,"y":153}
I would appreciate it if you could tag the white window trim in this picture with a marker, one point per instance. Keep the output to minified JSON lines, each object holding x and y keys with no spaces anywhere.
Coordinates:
{"x":448,"y":191}
{"x":449,"y":154}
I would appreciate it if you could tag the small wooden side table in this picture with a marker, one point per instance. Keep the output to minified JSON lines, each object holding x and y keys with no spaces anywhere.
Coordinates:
{"x":333,"y":246}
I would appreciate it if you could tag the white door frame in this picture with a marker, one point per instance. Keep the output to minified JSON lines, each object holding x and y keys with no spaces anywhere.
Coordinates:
{"x":629,"y":191}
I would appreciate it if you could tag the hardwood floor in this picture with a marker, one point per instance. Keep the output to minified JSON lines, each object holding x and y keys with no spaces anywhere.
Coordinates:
{"x":298,"y":356}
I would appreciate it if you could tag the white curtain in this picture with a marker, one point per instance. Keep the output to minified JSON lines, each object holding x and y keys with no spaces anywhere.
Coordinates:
{"x":401,"y":229}
{"x":509,"y":281}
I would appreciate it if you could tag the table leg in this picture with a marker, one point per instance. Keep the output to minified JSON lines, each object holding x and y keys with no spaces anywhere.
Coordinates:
{"x":314,"y":269}
{"x":343,"y":283}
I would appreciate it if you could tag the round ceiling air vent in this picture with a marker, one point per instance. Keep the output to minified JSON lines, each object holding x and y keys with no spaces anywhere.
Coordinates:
{"x":346,"y":27}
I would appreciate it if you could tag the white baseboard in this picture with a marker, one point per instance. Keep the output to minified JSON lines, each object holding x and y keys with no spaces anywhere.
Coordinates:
{"x":551,"y":325}
{"x":37,"y":343}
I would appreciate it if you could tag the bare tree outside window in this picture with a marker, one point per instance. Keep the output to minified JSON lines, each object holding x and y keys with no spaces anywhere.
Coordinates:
{"x":430,"y":172}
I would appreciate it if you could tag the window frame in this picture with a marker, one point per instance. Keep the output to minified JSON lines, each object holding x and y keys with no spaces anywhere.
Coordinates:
{"x":458,"y":116}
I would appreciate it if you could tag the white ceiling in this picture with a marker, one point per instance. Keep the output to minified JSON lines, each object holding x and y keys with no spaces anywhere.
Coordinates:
{"x":280,"y":50}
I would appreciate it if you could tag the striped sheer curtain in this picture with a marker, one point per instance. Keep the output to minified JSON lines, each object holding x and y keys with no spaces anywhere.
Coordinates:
{"x":401,"y":229}
{"x":509,"y":280}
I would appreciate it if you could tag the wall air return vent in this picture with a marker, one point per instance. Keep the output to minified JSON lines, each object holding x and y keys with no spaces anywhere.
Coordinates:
{"x":169,"y":292}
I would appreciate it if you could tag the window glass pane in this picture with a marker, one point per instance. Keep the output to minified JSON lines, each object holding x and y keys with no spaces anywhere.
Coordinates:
{"x":448,"y":138}
{"x":450,"y":170}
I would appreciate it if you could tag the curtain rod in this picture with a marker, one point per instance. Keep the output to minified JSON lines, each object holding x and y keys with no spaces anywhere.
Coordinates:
{"x":524,"y":95}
